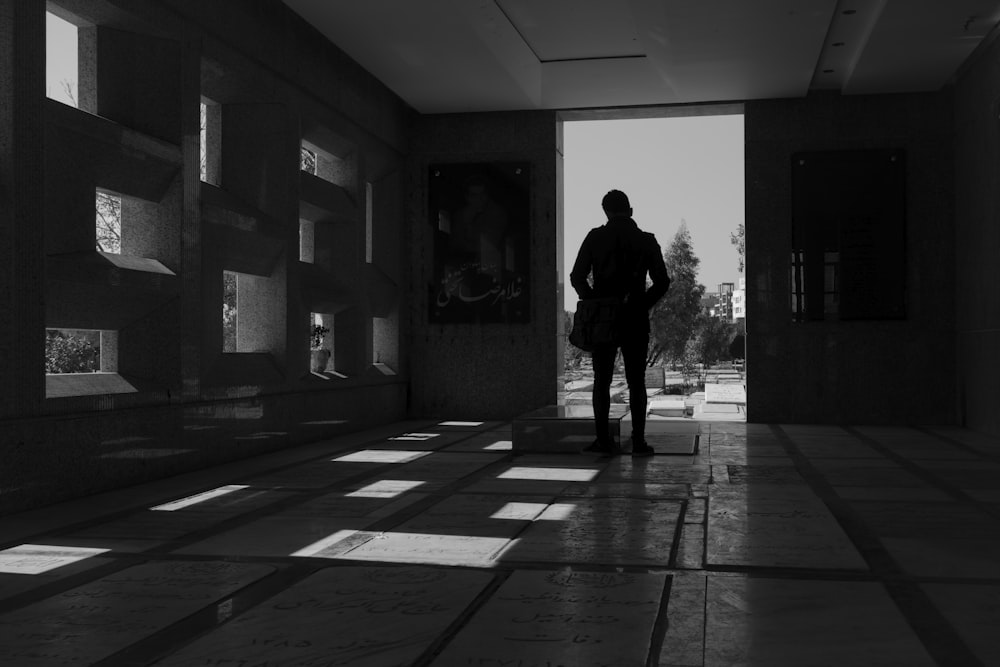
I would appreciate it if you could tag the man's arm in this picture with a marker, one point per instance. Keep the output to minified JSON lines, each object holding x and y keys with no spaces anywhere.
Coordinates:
{"x":658,"y":274}
{"x":581,"y":269}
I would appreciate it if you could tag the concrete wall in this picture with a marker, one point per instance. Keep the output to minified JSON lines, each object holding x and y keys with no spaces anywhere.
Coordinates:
{"x":490,"y":371}
{"x":977,"y":230}
{"x":887,"y":371}
{"x":177,"y":402}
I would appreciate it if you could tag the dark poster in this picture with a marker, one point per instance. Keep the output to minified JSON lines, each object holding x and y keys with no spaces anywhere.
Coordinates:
{"x":479,"y":214}
{"x":849,"y":233}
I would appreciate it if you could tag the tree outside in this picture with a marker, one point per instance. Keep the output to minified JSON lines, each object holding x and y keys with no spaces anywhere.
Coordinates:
{"x":70,"y":351}
{"x":109,"y":222}
{"x":674,"y":319}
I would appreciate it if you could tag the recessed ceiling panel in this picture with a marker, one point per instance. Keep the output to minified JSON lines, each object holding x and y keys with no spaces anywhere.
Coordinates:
{"x":574,"y":29}
{"x":717,"y":49}
{"x":602,"y":83}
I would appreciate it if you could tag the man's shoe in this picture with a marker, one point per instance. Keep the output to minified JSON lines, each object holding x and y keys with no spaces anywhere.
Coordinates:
{"x":641,"y":449}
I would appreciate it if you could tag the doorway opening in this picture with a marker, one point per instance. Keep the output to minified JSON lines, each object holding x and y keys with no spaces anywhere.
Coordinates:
{"x":683,"y":171}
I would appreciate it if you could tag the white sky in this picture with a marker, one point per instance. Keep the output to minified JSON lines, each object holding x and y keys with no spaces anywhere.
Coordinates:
{"x":688,"y":168}
{"x":60,"y":57}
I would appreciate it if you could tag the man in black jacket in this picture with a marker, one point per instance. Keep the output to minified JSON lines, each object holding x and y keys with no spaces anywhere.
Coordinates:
{"x":617,"y":257}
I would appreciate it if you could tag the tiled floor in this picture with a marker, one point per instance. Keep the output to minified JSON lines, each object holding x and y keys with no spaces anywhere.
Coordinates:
{"x":432,"y":544}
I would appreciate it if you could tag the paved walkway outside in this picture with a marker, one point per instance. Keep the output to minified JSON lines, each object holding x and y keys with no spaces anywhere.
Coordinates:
{"x":429,"y":543}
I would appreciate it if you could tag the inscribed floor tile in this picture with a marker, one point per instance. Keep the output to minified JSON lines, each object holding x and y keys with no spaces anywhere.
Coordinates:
{"x":756,"y":621}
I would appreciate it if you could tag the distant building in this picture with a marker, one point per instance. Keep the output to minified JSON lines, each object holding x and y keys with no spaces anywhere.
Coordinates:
{"x":722,"y":307}
{"x":739,"y":301}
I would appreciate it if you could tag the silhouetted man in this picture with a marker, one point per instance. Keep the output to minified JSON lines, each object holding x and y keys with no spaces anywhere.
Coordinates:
{"x":617,"y":257}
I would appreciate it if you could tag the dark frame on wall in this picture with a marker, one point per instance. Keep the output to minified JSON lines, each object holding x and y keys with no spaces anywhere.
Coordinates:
{"x":479,"y":215}
{"x":848,"y":235}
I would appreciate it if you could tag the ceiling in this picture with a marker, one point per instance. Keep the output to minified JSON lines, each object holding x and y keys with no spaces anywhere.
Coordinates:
{"x":486,"y":55}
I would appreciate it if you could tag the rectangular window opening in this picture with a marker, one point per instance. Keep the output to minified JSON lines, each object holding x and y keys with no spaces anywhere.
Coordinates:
{"x":307,"y":160}
{"x":322,"y":164}
{"x":69,"y":351}
{"x":369,"y":222}
{"x":211,"y":141}
{"x":230,"y":293}
{"x":62,"y":79}
{"x":385,"y":345}
{"x":307,"y":241}
{"x":108,"y":222}
{"x":321,"y":343}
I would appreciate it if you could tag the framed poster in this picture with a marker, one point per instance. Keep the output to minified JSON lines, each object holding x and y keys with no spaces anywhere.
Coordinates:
{"x":849,"y":235}
{"x":479,"y":214}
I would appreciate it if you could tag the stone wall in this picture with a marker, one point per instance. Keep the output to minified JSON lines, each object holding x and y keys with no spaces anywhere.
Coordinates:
{"x":875,"y":371}
{"x":172,"y":399}
{"x":497,"y":370}
{"x":977,"y":227}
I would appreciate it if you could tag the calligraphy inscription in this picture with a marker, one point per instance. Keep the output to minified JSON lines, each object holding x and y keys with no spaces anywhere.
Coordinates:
{"x":89,"y":623}
{"x":471,"y":283}
{"x":547,"y":619}
{"x":341,"y":616}
{"x":625,"y":530}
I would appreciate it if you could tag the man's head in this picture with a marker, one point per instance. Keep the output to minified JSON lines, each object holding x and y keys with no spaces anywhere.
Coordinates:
{"x":616,"y":204}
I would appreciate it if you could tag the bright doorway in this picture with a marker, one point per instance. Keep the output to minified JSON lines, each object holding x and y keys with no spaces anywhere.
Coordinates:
{"x":683,"y":170}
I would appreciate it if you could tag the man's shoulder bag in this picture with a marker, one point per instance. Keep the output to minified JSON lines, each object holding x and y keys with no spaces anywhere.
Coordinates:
{"x":596,"y":322}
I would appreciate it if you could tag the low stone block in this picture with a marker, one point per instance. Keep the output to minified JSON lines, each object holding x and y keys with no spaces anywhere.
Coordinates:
{"x":726,"y":393}
{"x":667,"y":407}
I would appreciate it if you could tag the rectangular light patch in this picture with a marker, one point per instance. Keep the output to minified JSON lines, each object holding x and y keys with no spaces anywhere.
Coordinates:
{"x":500,"y":445}
{"x":416,"y":436}
{"x":198,"y":498}
{"x":550,"y":474}
{"x":39,"y":558}
{"x":380,"y":456}
{"x":461,"y":423}
{"x":323,"y":544}
{"x":519,"y":511}
{"x":384,"y":488}
{"x":557,"y":512}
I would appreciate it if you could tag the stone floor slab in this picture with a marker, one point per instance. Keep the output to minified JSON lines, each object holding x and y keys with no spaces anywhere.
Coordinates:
{"x":289,"y":533}
{"x":934,"y":556}
{"x":92,"y":622}
{"x":428,"y":548}
{"x":684,"y":642}
{"x":484,"y":442}
{"x":949,"y":520}
{"x":781,"y":525}
{"x":359,"y":616}
{"x":622,"y":531}
{"x":974,"y":611}
{"x":562,"y":618}
{"x":755,"y":621}
{"x":312,"y":475}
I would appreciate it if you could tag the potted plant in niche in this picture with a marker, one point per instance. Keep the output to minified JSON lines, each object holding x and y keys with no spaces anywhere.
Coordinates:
{"x":320,"y":354}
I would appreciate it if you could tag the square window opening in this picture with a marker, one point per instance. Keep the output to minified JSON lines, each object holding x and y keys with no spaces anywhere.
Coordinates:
{"x":71,"y":351}
{"x":250,"y":319}
{"x":323,"y":164}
